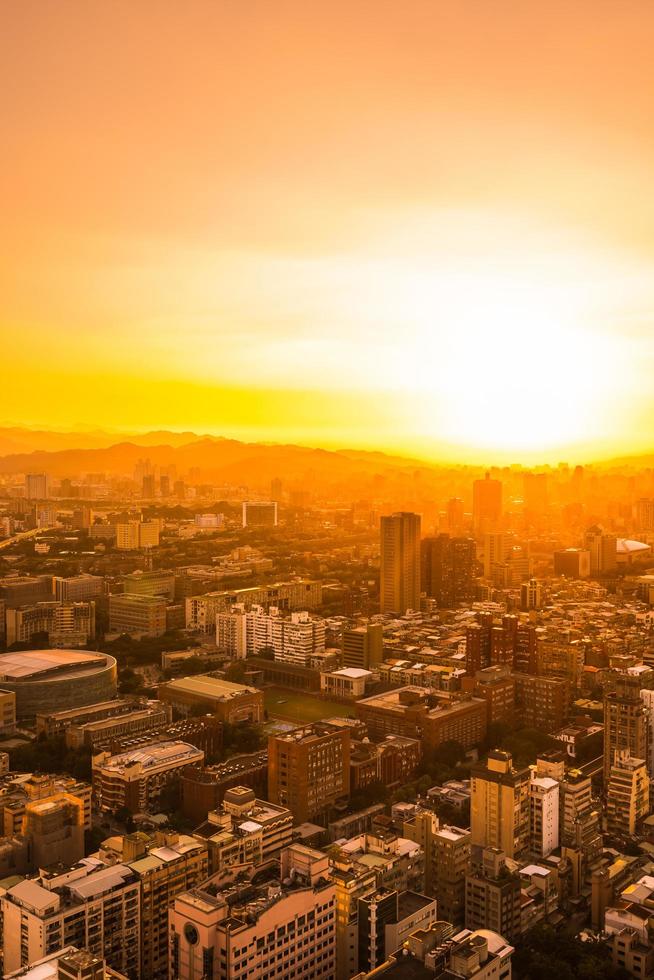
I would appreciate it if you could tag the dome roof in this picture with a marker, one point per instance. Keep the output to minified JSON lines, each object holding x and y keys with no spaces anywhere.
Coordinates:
{"x":627,"y":546}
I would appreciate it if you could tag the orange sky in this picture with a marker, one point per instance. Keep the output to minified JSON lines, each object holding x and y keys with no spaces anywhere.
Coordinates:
{"x":421,"y":225}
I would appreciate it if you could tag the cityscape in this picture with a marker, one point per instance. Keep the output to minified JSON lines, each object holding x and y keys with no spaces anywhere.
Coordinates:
{"x":327,"y":490}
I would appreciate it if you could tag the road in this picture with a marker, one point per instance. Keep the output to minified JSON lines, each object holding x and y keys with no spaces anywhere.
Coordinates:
{"x":23,"y":536}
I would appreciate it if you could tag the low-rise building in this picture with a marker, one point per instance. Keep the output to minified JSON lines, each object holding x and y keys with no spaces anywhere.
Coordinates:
{"x":136,"y":779}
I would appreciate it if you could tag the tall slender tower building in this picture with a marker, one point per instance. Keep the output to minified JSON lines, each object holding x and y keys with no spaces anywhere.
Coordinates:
{"x":626,"y":722}
{"x":399,"y":587}
{"x":486,"y":503}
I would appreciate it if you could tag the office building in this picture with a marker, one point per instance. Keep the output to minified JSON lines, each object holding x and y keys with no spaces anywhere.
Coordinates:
{"x":448,"y":568}
{"x":288,"y":596}
{"x":103,"y":732}
{"x":399,"y":587}
{"x":137,"y":615}
{"x":259,"y":513}
{"x":77,"y":588}
{"x":386,"y":919}
{"x":309,"y":769}
{"x":86,"y":905}
{"x":243,"y":829}
{"x":486,"y":503}
{"x":136,"y":779}
{"x":499,"y":809}
{"x":134,"y":535}
{"x":363,"y":646}
{"x":282,"y":926}
{"x":158,"y":583}
{"x":535,"y":494}
{"x":572,"y":563}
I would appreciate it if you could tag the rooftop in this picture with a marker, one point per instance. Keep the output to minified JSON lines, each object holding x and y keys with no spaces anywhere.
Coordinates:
{"x":206,"y":686}
{"x":29,"y":664}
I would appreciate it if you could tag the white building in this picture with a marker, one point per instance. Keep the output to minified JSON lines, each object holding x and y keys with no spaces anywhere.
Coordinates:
{"x":347,"y":682}
{"x":294,"y":639}
{"x":544,"y":815}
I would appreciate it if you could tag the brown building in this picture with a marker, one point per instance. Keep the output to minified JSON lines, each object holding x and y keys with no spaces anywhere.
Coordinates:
{"x":495,"y":686}
{"x":418,"y":712}
{"x":541,"y":702}
{"x":203,"y":788}
{"x":309,"y":769}
{"x":399,"y":587}
{"x":625,"y":721}
{"x":232,"y":703}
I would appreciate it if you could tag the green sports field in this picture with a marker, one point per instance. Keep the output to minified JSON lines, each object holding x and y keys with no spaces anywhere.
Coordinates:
{"x":300,"y":707}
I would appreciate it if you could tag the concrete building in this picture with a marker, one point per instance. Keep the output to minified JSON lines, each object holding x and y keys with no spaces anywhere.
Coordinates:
{"x":244,"y":830}
{"x":86,"y":905}
{"x":499,"y":808}
{"x":544,"y":815}
{"x":99,"y":733}
{"x":135,"y":535}
{"x":66,"y":678}
{"x":385,"y":921}
{"x":448,"y":569}
{"x":233,"y":703}
{"x":363,"y":646}
{"x":486,"y":503}
{"x":136,"y":779}
{"x":288,"y":596}
{"x":159,"y":582}
{"x":493,"y":896}
{"x":347,"y":682}
{"x":137,"y":615}
{"x":277,"y":927}
{"x":627,"y":794}
{"x":77,"y":588}
{"x":419,"y":712}
{"x":626,"y":721}
{"x":166,"y":865}
{"x":37,"y":486}
{"x":259,"y":513}
{"x":309,"y":769}
{"x":66,"y":623}
{"x":399,"y":587}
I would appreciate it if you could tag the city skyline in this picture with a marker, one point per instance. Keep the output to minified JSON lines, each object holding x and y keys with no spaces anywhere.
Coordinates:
{"x":422,"y":228}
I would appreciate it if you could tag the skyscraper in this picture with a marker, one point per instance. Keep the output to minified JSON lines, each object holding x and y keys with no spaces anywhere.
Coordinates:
{"x":36,"y":486}
{"x":486,"y":502}
{"x":399,"y":587}
{"x":447,"y":569}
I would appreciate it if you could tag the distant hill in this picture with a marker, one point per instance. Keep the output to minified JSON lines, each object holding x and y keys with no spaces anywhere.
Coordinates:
{"x":216,"y":459}
{"x":16,"y":439}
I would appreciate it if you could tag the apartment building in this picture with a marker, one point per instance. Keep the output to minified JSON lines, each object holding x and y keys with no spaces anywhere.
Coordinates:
{"x":133,"y":535}
{"x":77,"y":588}
{"x":499,"y":808}
{"x":294,"y":638}
{"x":282,"y":926}
{"x":288,"y":596}
{"x":86,"y":905}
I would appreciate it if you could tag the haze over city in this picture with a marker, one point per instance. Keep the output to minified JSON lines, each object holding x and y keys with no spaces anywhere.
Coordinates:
{"x":422,"y":227}
{"x":327,"y":490}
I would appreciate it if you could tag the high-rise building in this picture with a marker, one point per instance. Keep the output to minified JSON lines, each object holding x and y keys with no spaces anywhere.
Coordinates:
{"x":493,"y":895}
{"x":531,"y":595}
{"x":363,"y":646}
{"x":535,"y":494}
{"x":486,"y":503}
{"x":259,"y":513}
{"x":603,"y":551}
{"x":544,"y":815}
{"x":448,"y":569}
{"x":626,"y":721}
{"x":77,"y":588}
{"x":452,"y":864}
{"x":132,"y":535}
{"x":645,"y":514}
{"x":166,"y":866}
{"x":309,"y":769}
{"x":627,"y":794}
{"x":283,"y":925}
{"x":399,"y":587}
{"x":148,"y":486}
{"x":499,"y":808}
{"x":455,"y":515}
{"x":86,"y":905}
{"x":37,"y":486}
{"x":496,"y":550}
